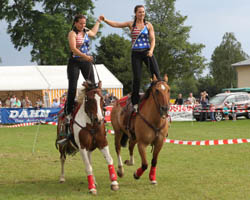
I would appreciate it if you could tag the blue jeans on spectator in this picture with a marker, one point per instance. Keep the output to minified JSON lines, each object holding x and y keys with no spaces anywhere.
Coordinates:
{"x":212,"y":116}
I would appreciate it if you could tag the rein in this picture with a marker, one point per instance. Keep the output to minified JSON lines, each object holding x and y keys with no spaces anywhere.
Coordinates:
{"x":156,"y":130}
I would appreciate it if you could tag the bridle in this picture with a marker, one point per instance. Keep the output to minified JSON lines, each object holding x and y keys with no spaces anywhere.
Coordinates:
{"x":90,"y":99}
{"x":162,"y":109}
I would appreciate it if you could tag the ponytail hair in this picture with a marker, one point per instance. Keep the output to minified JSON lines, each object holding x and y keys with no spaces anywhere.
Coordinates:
{"x":135,"y":10}
{"x":76,"y":19}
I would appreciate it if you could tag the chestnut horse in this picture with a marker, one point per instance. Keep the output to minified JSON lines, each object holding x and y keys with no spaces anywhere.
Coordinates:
{"x":148,"y":127}
{"x":89,"y":133}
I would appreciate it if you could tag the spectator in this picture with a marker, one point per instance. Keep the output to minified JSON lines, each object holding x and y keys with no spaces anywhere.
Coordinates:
{"x":62,"y":101}
{"x":39,"y":103}
{"x":13,"y":101}
{"x":1,"y":103}
{"x":204,"y":102}
{"x":18,"y":103}
{"x":26,"y":102}
{"x":106,"y":100}
{"x":179,"y":100}
{"x":7,"y":102}
{"x":233,"y":109}
{"x":55,"y":103}
{"x":225,"y":111}
{"x":191,"y":99}
{"x":112,"y":98}
{"x":206,"y":95}
{"x":212,"y":110}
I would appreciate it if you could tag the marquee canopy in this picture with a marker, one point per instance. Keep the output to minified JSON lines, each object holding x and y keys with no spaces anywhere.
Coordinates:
{"x":14,"y":78}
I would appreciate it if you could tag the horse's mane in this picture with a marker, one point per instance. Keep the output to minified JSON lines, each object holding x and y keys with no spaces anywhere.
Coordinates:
{"x":147,"y":93}
{"x":81,"y":95}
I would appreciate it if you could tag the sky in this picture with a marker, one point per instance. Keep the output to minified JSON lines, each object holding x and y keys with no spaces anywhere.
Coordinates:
{"x":209,"y":20}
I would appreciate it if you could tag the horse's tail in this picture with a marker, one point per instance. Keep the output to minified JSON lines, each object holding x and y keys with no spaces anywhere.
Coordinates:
{"x":124,"y":140}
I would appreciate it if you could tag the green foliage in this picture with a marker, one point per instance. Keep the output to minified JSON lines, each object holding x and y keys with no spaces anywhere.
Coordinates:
{"x":190,"y":86}
{"x":207,"y":84}
{"x":44,"y":25}
{"x":175,"y":55}
{"x":226,"y":54}
{"x":114,"y":52}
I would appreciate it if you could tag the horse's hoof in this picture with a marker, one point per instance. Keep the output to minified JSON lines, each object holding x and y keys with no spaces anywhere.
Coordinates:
{"x":154,"y":182}
{"x":93,"y":191}
{"x":135,"y":176}
{"x":62,"y":180}
{"x":127,"y":162}
{"x":120,"y":172}
{"x":114,"y":187}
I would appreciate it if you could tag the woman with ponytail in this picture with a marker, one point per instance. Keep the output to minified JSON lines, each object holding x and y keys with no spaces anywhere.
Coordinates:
{"x":143,"y":44}
{"x":79,"y":60}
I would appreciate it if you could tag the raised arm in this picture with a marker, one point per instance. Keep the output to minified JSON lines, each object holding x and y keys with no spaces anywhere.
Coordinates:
{"x":94,"y":30}
{"x":116,"y":24}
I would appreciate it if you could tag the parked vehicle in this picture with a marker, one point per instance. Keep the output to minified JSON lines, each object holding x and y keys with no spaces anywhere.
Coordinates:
{"x":241,"y":100}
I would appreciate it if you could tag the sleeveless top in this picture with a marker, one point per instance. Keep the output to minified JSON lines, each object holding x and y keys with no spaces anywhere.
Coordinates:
{"x":140,"y":39}
{"x":82,"y":43}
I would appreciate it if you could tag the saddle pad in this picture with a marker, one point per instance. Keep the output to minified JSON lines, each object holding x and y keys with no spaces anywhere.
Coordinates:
{"x":123,"y":101}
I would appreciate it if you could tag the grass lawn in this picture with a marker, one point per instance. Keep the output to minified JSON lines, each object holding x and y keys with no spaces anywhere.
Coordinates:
{"x":183,"y":172}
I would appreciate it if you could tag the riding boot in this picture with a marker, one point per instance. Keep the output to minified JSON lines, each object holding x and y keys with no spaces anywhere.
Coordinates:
{"x":69,"y":135}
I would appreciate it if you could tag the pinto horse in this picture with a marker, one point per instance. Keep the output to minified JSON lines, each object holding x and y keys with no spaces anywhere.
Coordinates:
{"x":89,"y":133}
{"x":148,"y":127}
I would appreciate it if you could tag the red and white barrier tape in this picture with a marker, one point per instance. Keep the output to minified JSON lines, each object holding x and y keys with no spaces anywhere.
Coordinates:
{"x":208,"y":142}
{"x":18,"y":125}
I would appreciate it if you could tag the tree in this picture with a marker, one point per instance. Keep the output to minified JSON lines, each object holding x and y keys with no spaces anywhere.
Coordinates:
{"x":175,"y":55}
{"x":44,"y":25}
{"x":114,"y":52}
{"x":227,"y":53}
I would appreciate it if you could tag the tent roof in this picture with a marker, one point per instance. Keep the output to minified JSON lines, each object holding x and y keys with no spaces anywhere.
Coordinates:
{"x":48,"y":77}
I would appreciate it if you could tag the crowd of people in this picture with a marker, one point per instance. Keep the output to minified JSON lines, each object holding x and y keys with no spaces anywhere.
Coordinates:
{"x":191,"y":100}
{"x":14,"y":102}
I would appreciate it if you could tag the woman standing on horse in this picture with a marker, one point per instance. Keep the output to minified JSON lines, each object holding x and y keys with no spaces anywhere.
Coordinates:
{"x":79,"y":60}
{"x":143,"y":44}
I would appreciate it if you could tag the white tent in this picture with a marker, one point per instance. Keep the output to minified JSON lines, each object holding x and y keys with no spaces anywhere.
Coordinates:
{"x":52,"y":79}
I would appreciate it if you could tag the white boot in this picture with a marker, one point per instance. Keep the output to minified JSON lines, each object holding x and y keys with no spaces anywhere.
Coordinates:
{"x":135,"y":107}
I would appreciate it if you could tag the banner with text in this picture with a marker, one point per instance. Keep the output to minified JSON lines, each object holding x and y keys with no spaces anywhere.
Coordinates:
{"x":26,"y":115}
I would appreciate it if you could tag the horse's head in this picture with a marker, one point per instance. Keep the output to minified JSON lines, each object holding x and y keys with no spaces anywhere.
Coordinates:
{"x":94,"y":102}
{"x":161,"y":95}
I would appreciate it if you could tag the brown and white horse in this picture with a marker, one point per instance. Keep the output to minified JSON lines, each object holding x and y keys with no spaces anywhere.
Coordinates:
{"x":89,"y":133}
{"x":148,"y":127}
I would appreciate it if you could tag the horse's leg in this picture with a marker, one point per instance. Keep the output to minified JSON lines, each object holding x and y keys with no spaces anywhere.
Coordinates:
{"x":142,"y":150}
{"x":89,"y":171}
{"x":62,"y":159}
{"x":118,"y":136}
{"x":90,"y":161}
{"x":131,"y":155}
{"x":157,"y":148}
{"x":112,"y":174}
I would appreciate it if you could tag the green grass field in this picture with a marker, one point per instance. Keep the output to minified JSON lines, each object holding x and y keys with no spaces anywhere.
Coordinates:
{"x":183,"y":172}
